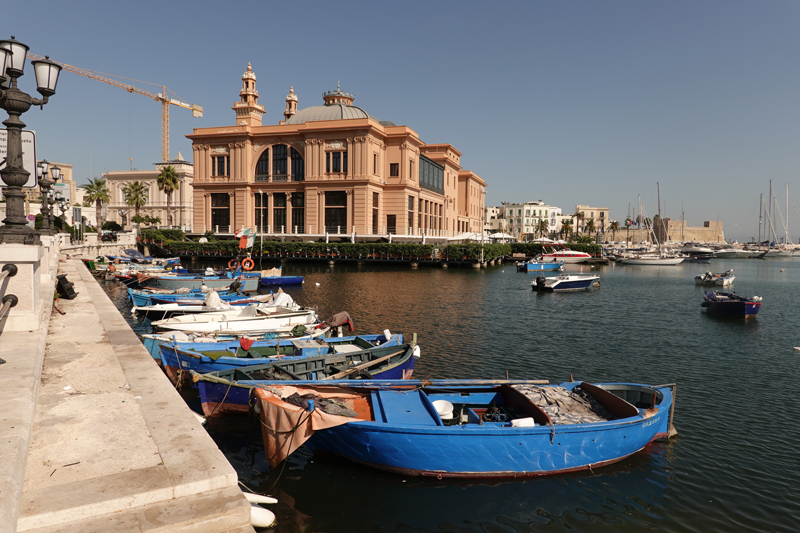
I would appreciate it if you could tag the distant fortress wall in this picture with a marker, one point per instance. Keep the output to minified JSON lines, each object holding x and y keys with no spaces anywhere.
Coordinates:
{"x":678,"y":231}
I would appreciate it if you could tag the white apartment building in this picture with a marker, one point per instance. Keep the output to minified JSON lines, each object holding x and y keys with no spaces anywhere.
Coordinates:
{"x":522,"y":220}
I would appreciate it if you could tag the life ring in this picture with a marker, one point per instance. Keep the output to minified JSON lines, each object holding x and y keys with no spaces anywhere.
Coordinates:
{"x":233,"y":264}
{"x":248,"y":264}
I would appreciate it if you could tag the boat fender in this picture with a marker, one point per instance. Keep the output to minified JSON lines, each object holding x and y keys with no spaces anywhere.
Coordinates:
{"x":310,"y":406}
{"x":416,"y":352}
{"x":260,"y":517}
{"x":387,"y":334}
{"x":259,"y":498}
{"x":523,"y":422}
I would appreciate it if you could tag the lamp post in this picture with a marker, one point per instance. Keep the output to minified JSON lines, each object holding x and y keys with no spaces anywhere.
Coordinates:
{"x":44,"y":186}
{"x":64,"y":206}
{"x":15,"y":103}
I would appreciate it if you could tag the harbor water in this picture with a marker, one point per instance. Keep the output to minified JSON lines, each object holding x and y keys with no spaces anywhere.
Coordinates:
{"x":733,"y":466}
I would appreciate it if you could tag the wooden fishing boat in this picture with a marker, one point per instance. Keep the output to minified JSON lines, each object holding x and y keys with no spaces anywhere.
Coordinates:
{"x":731,"y":304}
{"x":709,"y":278}
{"x":465,"y":428}
{"x":228,"y":391}
{"x":246,"y":353}
{"x":248,"y":318}
{"x":564,"y":282}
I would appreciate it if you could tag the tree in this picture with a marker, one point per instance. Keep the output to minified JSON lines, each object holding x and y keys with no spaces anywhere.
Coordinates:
{"x":168,"y":181}
{"x":590,"y":226}
{"x":135,"y":195}
{"x":542,"y":227}
{"x":97,"y":192}
{"x":585,"y":239}
{"x":566,"y":227}
{"x":579,"y":216}
{"x":614,"y":226}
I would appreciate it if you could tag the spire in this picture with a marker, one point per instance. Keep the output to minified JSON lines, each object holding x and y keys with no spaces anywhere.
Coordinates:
{"x":248,"y":112}
{"x":291,"y":104}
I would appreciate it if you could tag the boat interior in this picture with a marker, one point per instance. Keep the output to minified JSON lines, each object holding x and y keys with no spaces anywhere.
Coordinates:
{"x":501,"y":406}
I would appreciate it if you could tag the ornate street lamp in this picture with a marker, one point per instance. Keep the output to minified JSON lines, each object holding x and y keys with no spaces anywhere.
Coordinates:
{"x":15,"y":103}
{"x":55,"y":173}
{"x":44,"y":186}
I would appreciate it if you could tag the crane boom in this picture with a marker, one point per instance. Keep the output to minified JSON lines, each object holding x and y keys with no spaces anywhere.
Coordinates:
{"x":166,"y":101}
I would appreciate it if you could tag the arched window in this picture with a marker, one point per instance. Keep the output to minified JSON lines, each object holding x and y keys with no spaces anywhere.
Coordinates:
{"x":262,"y":167}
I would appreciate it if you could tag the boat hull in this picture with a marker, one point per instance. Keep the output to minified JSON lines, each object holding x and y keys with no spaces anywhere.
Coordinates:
{"x":661,"y":261}
{"x":729,"y":304}
{"x":491,"y":449}
{"x":540,"y":266}
{"x":281,"y":280}
{"x":248,"y":284}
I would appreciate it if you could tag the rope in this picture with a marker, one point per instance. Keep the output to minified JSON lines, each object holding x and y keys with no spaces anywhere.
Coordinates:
{"x":219,"y":404}
{"x":552,"y":432}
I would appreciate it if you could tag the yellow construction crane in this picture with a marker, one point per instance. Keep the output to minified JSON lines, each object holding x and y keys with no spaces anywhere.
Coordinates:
{"x":197,"y":111}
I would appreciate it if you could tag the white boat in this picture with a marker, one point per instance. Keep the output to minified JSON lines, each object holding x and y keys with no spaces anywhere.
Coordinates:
{"x":651,"y":259}
{"x":565,"y":282}
{"x":558,"y":253}
{"x":723,"y":279}
{"x":250,"y":318}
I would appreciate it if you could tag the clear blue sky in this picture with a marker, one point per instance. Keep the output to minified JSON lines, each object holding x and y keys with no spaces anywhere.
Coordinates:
{"x":568,"y":102}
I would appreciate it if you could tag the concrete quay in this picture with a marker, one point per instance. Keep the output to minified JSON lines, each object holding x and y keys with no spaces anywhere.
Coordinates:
{"x":94,"y":438}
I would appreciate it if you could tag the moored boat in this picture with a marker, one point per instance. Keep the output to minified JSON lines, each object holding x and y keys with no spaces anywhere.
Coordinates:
{"x":731,"y":304}
{"x":228,"y":391}
{"x":564,"y":282}
{"x":559,"y":252}
{"x":537,"y":264}
{"x":466,"y":428}
{"x":245,"y":353}
{"x":709,"y":278}
{"x":248,"y":318}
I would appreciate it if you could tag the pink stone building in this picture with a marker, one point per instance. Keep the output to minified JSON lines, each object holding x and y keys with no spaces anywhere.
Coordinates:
{"x":328,"y":169}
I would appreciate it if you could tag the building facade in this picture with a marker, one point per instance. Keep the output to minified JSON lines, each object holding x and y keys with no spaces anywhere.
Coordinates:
{"x":597,"y":215}
{"x":328,"y":169}
{"x":531,"y":220}
{"x":668,"y":230}
{"x":182,"y":198}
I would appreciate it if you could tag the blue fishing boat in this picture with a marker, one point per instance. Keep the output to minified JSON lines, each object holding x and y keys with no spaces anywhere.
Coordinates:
{"x":144,"y":298}
{"x":281,"y":280}
{"x":465,"y":428}
{"x":564,"y":282}
{"x":249,"y":281}
{"x":245,"y":352}
{"x":538,"y":265}
{"x":228,"y":391}
{"x":731,"y":304}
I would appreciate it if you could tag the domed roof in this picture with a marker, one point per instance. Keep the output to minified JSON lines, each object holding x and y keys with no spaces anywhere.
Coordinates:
{"x":338,"y":106}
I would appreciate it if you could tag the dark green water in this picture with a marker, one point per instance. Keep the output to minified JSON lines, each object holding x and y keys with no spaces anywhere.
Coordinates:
{"x":734,"y":466}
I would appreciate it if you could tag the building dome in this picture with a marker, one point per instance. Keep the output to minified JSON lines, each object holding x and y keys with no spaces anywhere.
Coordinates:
{"x":338,"y":106}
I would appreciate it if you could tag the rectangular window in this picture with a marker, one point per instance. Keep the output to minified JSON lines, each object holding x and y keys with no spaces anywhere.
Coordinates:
{"x":410,"y":213}
{"x":336,"y":164}
{"x":411,"y":169}
{"x":374,"y":163}
{"x":262,"y":214}
{"x":220,"y":165}
{"x":394,"y":170}
{"x":391,"y":224}
{"x":298,"y":212}
{"x":279,"y":212}
{"x":344,"y":162}
{"x":328,"y":162}
{"x":336,"y":212}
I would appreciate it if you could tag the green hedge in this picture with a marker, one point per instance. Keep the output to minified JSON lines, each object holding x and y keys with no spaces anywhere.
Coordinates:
{"x":307,"y":249}
{"x":162,"y":235}
{"x":474,"y":250}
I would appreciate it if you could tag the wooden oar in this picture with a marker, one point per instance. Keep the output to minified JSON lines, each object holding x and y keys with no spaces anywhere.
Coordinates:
{"x":362,"y":366}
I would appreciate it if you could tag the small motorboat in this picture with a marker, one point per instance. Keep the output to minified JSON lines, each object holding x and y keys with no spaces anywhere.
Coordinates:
{"x":731,"y":304}
{"x":559,"y":252}
{"x":709,"y":278}
{"x":465,"y":428}
{"x":565,"y":282}
{"x":538,"y":264}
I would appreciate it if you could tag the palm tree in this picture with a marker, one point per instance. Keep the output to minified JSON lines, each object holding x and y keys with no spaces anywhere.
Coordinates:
{"x":135,"y":195}
{"x":590,"y":226}
{"x":542,"y":227}
{"x":614,"y":226}
{"x":579,"y":216}
{"x":566,"y":227}
{"x":168,"y":181}
{"x":97,"y":192}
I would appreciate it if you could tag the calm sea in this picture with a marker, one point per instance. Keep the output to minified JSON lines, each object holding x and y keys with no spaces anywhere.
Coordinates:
{"x":733,"y":467}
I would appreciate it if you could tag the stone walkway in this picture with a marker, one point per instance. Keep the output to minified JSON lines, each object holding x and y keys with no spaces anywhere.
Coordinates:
{"x":113,"y":446}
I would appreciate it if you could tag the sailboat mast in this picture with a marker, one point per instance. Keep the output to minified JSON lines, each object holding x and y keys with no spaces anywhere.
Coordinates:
{"x":658,"y":193}
{"x":760,"y":215}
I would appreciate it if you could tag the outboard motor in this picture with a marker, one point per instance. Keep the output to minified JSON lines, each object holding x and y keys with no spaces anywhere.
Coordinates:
{"x":540,"y":282}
